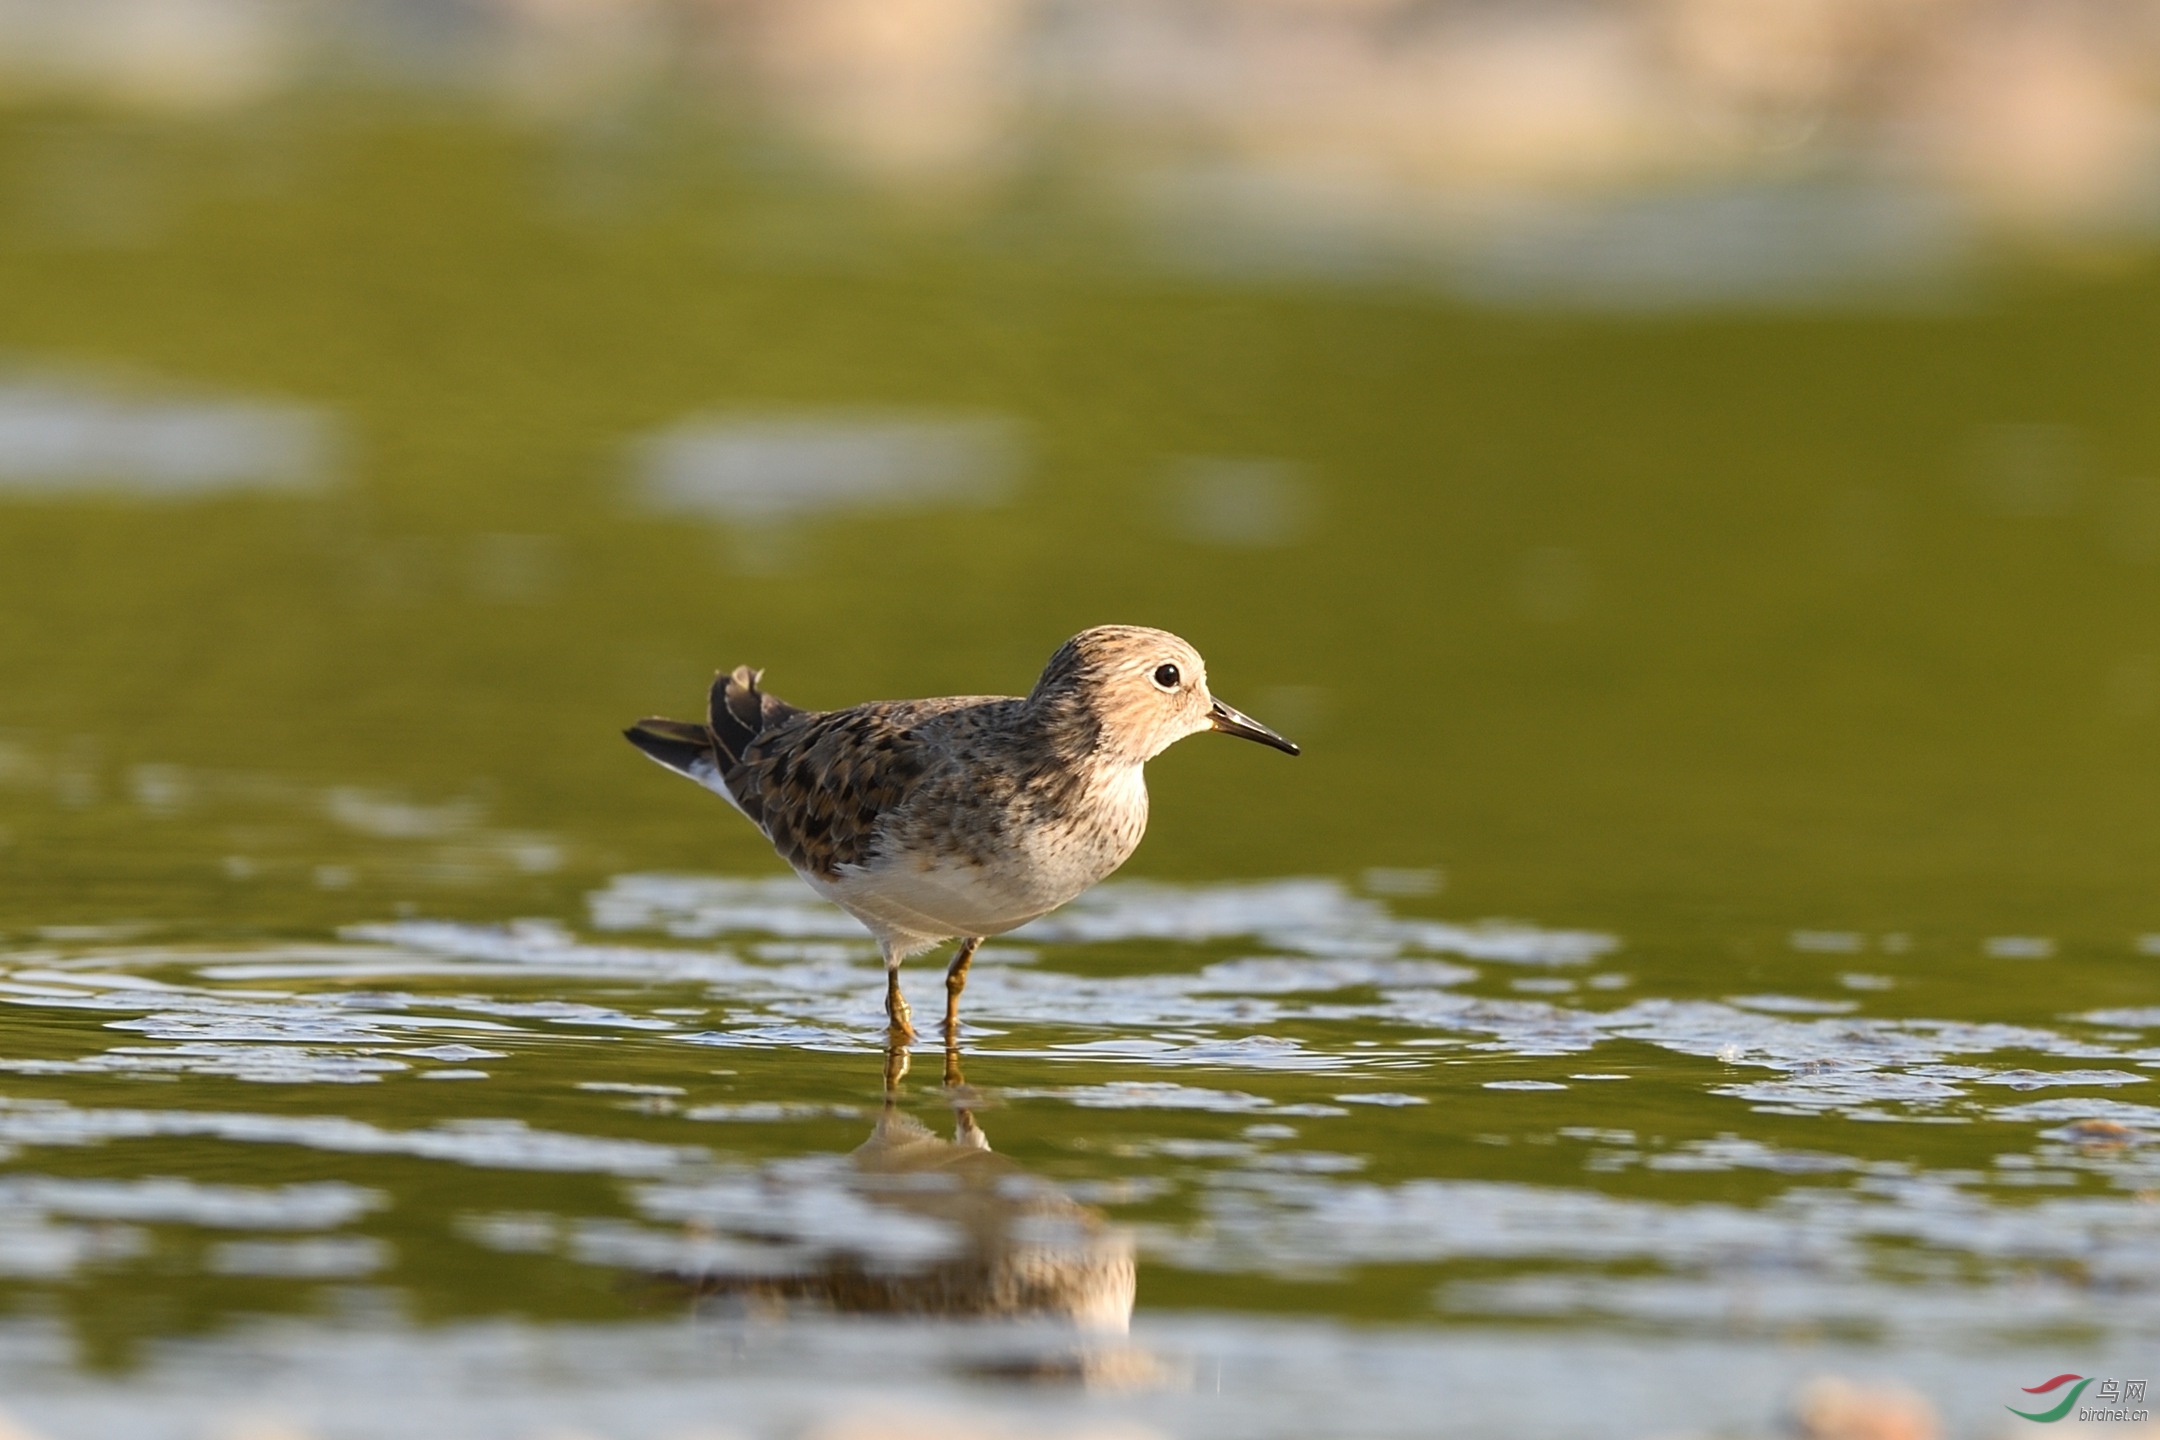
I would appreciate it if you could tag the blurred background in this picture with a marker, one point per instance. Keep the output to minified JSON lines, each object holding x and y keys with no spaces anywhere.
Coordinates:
{"x":1674,"y":463}
{"x":1687,"y":471}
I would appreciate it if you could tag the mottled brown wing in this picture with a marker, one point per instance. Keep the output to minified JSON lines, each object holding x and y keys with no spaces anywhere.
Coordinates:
{"x":819,"y":782}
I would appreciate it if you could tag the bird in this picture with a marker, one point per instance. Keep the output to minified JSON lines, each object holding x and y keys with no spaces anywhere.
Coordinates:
{"x":962,"y":817}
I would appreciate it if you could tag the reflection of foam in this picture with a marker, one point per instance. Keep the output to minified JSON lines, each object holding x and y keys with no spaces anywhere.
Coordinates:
{"x":59,"y":438}
{"x":766,"y":469}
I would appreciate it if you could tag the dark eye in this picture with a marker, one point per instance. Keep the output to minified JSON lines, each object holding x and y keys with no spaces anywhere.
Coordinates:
{"x":1166,"y":676}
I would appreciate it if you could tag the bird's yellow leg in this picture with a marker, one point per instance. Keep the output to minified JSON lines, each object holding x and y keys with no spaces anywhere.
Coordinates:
{"x":955,"y":982}
{"x":896,"y":1006}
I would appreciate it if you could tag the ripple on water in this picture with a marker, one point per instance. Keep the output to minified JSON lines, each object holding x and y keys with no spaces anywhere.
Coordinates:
{"x":1275,"y":1100}
{"x":1338,"y":959}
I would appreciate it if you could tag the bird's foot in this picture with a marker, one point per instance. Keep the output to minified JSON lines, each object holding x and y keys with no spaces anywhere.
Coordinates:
{"x":899,"y":1018}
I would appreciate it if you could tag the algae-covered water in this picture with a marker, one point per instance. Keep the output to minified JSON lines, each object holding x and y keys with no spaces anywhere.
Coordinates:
{"x":1709,"y":940}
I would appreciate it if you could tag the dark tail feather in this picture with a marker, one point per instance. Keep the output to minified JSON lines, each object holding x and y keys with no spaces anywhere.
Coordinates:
{"x":737,"y":712}
{"x":677,"y":744}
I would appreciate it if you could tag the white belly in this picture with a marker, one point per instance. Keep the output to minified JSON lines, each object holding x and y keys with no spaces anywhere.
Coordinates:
{"x":913,"y":901}
{"x":915,"y":907}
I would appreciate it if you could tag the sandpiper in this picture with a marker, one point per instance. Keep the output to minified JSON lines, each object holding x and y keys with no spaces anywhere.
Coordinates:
{"x":963,"y":817}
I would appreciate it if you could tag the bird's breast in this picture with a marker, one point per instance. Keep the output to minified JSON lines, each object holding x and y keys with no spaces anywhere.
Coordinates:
{"x":1060,"y":851}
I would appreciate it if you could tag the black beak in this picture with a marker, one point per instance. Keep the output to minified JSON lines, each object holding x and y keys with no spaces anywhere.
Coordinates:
{"x":1238,"y":723}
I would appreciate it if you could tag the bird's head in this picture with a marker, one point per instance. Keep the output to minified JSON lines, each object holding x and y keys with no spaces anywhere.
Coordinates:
{"x":1143,"y":690}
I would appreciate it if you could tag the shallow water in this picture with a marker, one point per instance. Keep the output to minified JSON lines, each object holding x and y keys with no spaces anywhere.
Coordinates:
{"x":1263,"y":1136}
{"x":387,"y":1050}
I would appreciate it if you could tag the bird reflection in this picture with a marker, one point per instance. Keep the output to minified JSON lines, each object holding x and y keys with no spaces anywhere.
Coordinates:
{"x":1016,"y":1247}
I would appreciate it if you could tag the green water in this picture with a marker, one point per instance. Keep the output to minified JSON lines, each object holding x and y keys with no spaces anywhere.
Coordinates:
{"x":1691,"y":631}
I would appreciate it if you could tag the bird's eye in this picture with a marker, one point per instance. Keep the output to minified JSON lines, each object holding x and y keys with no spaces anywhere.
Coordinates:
{"x":1166,"y":676}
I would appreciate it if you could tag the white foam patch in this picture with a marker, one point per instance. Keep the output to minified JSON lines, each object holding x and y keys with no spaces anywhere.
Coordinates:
{"x":770,"y":1112}
{"x":1289,"y":1222}
{"x":1305,"y":916}
{"x":821,"y":1210}
{"x":2121,"y":1112}
{"x":64,"y":436}
{"x":1735,"y":1152}
{"x":1792,"y":1004}
{"x":2047,"y":1079}
{"x":322,"y":1205}
{"x":767,"y":468}
{"x":1278,"y":975}
{"x":262,"y":1064}
{"x":625,"y":1245}
{"x":488,"y":1144}
{"x":1156,"y":1095}
{"x":51,"y":1226}
{"x":32,"y":1247}
{"x":2142,"y":1018}
{"x":699,"y":907}
{"x":1318,"y":917}
{"x":344,"y":1257}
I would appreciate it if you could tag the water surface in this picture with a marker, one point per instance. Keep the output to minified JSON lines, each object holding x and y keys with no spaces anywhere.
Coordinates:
{"x":1702,"y":947}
